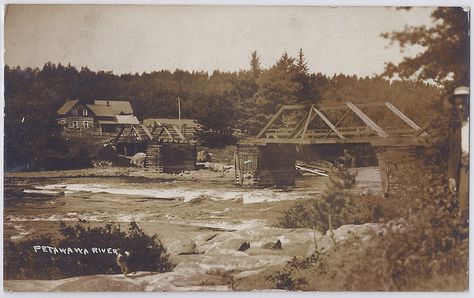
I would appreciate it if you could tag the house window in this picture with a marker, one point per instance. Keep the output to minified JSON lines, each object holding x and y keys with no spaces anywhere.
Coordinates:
{"x":74,"y":112}
{"x":75,"y":124}
{"x":86,"y":124}
{"x":84,"y":112}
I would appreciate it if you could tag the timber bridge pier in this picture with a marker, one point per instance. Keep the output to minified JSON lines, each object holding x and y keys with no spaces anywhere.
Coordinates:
{"x":270,"y":158}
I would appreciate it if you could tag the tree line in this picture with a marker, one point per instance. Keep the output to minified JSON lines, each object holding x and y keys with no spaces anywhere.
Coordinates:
{"x":226,"y":104}
{"x":230,"y":104}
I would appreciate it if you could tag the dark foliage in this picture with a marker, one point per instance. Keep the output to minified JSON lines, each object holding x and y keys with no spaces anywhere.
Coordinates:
{"x":217,"y":122}
{"x":226,"y":104}
{"x":336,"y":207}
{"x":289,"y":278}
{"x":428,"y":248}
{"x":21,"y":261}
{"x":446,"y":56}
{"x":424,"y":246}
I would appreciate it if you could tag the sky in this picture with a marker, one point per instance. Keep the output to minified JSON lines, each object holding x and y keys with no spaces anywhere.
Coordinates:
{"x":129,"y":39}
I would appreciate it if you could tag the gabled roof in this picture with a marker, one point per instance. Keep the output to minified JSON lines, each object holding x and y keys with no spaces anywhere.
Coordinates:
{"x":121,"y":119}
{"x":127,"y":119}
{"x":67,"y":107}
{"x":102,"y":110}
{"x":101,"y":107}
{"x":111,"y":108}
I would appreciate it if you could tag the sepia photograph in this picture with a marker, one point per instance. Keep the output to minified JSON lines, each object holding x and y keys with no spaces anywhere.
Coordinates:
{"x":165,"y":148}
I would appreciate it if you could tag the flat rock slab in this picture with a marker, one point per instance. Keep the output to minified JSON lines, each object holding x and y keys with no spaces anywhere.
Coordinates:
{"x":215,"y":264}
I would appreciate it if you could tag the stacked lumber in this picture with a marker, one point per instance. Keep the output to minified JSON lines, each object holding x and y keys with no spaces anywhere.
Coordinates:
{"x":316,"y":171}
{"x":171,"y":157}
{"x":154,"y":157}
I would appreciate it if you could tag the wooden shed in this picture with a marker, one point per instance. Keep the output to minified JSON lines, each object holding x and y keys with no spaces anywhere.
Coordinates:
{"x":171,"y":157}
{"x":265,"y":165}
{"x":167,"y":151}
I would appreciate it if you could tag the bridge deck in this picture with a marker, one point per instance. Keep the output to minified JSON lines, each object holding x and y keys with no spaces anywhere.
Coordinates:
{"x":396,"y":139}
{"x":334,"y":125}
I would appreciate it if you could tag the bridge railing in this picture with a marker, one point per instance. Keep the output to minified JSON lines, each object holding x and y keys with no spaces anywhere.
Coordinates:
{"x":377,"y":127}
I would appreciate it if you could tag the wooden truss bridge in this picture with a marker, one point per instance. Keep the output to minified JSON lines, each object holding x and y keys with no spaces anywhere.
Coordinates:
{"x":394,"y":136}
{"x":166,"y":147}
{"x":158,"y":132}
{"x":348,"y":123}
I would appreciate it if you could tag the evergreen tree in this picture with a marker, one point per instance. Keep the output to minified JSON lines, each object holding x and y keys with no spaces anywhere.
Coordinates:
{"x":278,"y":86}
{"x":446,"y":56}
{"x":242,"y":102}
{"x":255,"y":64}
{"x":306,"y":93}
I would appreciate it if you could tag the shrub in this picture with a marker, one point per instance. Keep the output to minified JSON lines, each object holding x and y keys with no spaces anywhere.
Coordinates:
{"x":424,"y":248}
{"x":430,"y":245}
{"x":107,"y":152}
{"x":336,"y":203}
{"x":149,"y":252}
{"x":291,"y":278}
{"x":20,"y":261}
{"x":215,"y":139}
{"x":346,"y":207}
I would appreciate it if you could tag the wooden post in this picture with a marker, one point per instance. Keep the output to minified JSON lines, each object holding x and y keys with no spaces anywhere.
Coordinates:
{"x":384,"y":170}
{"x":238,"y":168}
{"x":169,"y":134}
{"x":178,"y":131}
{"x":402,"y":116}
{"x":179,"y":113}
{"x":136,"y":132}
{"x":329,"y":123}
{"x":295,"y":133}
{"x":307,"y":123}
{"x":148,"y":133}
{"x":338,"y":122}
{"x":297,"y":128}
{"x":423,"y":129}
{"x":274,"y":118}
{"x":277,"y":115}
{"x":367,"y":120}
{"x":235,"y":166}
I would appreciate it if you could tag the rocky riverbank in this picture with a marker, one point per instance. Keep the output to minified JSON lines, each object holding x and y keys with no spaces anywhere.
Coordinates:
{"x":212,"y":261}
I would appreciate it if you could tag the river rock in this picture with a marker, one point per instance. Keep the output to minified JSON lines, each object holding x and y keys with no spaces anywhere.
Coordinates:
{"x":273,"y":245}
{"x":138,"y":159}
{"x":203,"y":156}
{"x":182,"y":247}
{"x":244,"y":246}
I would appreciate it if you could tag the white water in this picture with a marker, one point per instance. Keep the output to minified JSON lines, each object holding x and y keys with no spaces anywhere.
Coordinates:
{"x":73,"y":216}
{"x":180,"y":193}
